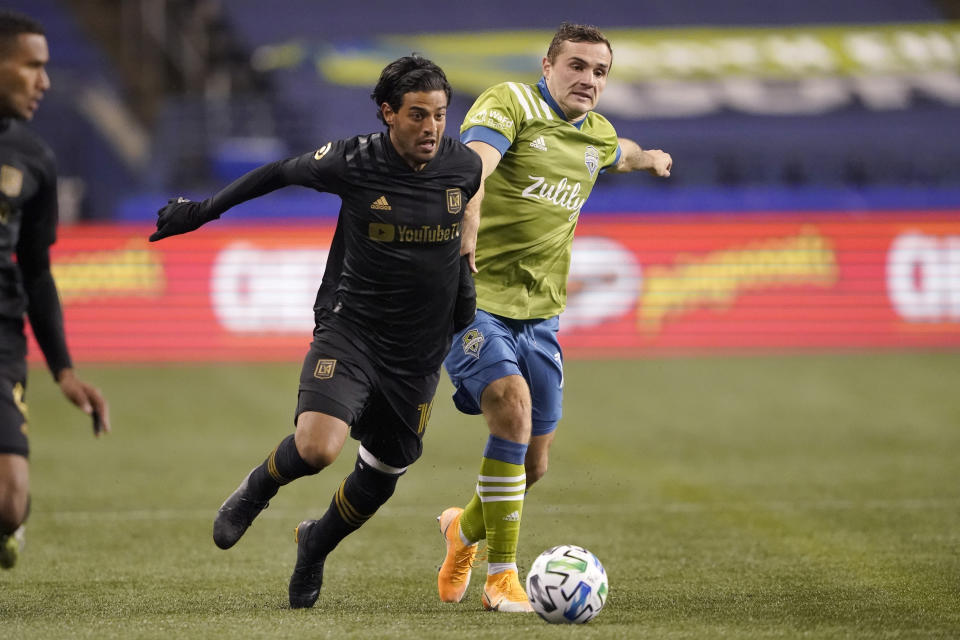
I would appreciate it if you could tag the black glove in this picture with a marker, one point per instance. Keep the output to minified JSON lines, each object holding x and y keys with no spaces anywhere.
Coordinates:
{"x":181,"y":216}
{"x":465,"y":309}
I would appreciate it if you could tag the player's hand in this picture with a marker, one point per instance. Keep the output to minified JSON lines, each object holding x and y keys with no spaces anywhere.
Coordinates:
{"x":180,"y":216}
{"x":88,"y":398}
{"x":468,"y":234}
{"x":659,"y":163}
{"x":465,"y":309}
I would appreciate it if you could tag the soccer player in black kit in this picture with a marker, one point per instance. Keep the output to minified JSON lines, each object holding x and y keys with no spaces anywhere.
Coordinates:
{"x":394,"y":291}
{"x":28,"y":226}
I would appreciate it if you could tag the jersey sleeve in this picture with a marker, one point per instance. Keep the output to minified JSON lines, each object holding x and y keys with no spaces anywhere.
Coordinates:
{"x":318,"y":170}
{"x":39,"y":229}
{"x":495,"y":118}
{"x":474,"y":174}
{"x":38,"y":232}
{"x":321,"y":169}
{"x":612,"y":151}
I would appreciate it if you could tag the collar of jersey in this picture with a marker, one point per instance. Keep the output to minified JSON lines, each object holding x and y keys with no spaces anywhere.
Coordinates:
{"x":542,"y":86}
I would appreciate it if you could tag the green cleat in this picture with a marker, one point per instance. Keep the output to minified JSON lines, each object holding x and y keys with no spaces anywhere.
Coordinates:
{"x":11,"y":544}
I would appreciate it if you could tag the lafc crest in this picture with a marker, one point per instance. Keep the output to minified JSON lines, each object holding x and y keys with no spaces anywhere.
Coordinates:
{"x":472,"y":341}
{"x":324,"y":370}
{"x":11,"y":181}
{"x":454,"y":200}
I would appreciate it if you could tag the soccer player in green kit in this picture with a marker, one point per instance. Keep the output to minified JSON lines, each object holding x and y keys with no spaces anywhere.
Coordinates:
{"x":542,"y":147}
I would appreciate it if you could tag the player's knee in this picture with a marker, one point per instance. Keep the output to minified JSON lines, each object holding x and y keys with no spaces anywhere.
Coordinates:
{"x":506,"y":403}
{"x":319,"y":453}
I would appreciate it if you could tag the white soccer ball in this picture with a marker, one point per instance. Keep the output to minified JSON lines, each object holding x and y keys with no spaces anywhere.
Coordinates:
{"x":567,"y":585}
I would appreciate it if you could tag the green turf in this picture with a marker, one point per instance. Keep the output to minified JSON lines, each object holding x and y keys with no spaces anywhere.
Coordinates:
{"x":811,"y":496}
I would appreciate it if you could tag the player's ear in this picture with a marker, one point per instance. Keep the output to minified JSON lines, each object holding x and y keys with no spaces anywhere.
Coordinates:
{"x":389,"y":115}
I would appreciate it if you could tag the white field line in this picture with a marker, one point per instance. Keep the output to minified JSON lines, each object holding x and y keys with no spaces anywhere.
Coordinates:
{"x":530,"y":509}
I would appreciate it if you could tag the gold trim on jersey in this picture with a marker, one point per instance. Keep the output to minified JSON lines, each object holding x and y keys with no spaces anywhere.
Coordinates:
{"x":322,"y":151}
{"x":18,"y":392}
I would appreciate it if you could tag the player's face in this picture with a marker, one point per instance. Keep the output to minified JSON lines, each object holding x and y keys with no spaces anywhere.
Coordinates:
{"x":23,"y":75}
{"x":416,"y":128}
{"x":577,"y":77}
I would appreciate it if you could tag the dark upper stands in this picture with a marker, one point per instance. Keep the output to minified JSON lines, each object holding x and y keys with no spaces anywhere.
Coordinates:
{"x":78,"y":70}
{"x":848,"y":158}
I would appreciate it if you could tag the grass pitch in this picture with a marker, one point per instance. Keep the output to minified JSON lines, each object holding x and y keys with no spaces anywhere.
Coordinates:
{"x":777,"y":497}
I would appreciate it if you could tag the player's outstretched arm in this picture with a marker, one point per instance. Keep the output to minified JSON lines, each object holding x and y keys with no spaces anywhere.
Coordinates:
{"x":87,"y":397}
{"x":182,"y":215}
{"x":634,"y":158}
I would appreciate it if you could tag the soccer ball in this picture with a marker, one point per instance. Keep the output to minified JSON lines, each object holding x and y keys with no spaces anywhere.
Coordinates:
{"x":567,"y":584}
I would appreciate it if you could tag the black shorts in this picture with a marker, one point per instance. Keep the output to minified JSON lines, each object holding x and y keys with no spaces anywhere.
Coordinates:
{"x":13,"y":416}
{"x":387,"y":413}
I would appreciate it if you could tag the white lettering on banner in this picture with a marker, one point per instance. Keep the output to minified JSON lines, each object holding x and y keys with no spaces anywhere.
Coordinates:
{"x":266,"y":290}
{"x":604,"y":282}
{"x":923,"y":277}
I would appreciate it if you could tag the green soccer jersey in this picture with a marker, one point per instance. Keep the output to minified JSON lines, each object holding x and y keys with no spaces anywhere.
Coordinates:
{"x":533,"y":198}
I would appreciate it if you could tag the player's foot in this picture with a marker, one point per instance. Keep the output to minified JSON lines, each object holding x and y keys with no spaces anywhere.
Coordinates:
{"x":307,"y":576}
{"x":11,"y":544}
{"x":504,"y":593}
{"x":454,"y":576}
{"x":236,"y":514}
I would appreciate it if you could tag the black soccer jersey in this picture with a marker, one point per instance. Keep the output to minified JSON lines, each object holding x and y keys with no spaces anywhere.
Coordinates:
{"x":393,"y":269}
{"x":28,"y":224}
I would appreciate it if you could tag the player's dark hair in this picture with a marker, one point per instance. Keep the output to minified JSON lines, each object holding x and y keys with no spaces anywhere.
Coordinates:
{"x":410,"y":73}
{"x":569,"y":32}
{"x":12,"y":24}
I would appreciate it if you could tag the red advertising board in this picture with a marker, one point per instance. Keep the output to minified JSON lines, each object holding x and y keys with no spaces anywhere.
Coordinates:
{"x":639,"y":286}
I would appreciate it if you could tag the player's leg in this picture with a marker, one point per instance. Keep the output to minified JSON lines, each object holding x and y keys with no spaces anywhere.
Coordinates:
{"x":501,"y":486}
{"x":14,"y":471}
{"x":482,"y":366}
{"x":359,"y":496}
{"x":14,"y":506}
{"x":541,"y":361}
{"x":314,"y":445}
{"x":524,"y":410}
{"x":538,"y":457}
{"x":390,"y":431}
{"x":321,"y":437}
{"x":333,"y":389}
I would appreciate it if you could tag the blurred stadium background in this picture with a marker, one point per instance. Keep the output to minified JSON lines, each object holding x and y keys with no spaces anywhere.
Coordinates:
{"x":813,"y":219}
{"x":813,"y":204}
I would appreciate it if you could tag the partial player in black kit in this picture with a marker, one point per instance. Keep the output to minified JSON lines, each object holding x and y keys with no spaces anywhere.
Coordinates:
{"x":28,"y":226}
{"x":394,"y":291}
